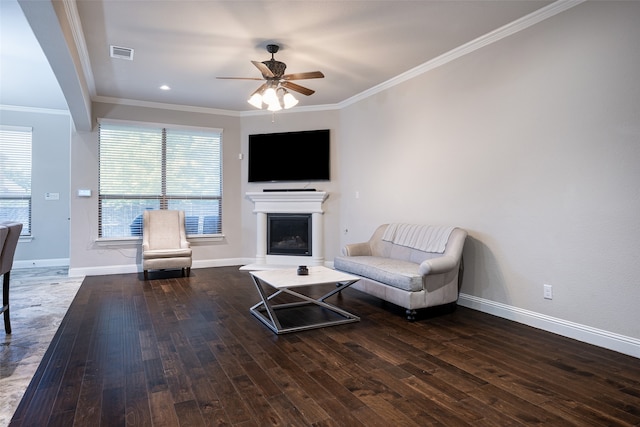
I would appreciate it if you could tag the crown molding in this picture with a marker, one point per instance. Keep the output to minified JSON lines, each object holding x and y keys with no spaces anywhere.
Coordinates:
{"x":206,"y":110}
{"x":496,"y":35}
{"x":73,"y":17}
{"x":307,"y":109}
{"x":164,"y":106}
{"x":40,"y":110}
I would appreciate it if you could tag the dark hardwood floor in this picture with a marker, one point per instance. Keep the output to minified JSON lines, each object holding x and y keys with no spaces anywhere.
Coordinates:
{"x":186,"y":351}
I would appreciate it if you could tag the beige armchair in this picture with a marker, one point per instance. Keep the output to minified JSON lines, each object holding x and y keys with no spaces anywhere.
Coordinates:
{"x":9,"y":235}
{"x":164,"y":242}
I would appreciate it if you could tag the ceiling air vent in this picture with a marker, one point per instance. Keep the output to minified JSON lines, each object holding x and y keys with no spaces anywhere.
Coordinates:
{"x":122,"y":52}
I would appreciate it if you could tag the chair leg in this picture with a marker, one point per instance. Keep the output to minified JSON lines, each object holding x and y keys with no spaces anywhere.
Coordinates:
{"x":188,"y":271}
{"x":146,"y":274}
{"x":5,"y":302}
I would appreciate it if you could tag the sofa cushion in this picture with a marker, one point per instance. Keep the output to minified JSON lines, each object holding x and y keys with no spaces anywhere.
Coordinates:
{"x":393,"y":272}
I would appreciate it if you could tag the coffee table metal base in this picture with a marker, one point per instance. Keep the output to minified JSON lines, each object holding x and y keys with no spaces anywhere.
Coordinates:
{"x":267,"y":312}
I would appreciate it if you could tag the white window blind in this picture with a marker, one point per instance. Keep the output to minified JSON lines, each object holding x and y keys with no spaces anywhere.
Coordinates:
{"x":15,"y":176}
{"x":159,"y":168}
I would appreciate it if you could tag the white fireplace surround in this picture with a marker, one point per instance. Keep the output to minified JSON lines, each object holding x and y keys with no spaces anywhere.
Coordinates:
{"x":295,"y":202}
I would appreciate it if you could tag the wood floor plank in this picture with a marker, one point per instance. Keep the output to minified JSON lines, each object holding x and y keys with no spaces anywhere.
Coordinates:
{"x":175,"y":374}
{"x":175,"y":351}
{"x":163,"y":411}
{"x":418,"y":406}
{"x":188,"y":413}
{"x":209,"y":404}
{"x":310,"y":409}
{"x":114,"y":407}
{"x":137,"y":411}
{"x":576,"y":386}
{"x":89,"y":406}
{"x":229,"y":398}
{"x":257,"y":402}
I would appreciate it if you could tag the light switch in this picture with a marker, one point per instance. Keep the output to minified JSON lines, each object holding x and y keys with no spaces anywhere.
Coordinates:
{"x":52,"y":196}
{"x":84,"y":193}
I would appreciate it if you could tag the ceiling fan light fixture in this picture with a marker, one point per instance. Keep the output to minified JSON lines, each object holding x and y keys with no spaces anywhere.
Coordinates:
{"x":289,"y":100}
{"x":256,"y":100}
{"x":274,"y":106}
{"x":270,"y":96}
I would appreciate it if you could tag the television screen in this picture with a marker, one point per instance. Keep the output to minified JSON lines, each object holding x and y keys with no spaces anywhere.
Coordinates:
{"x":289,"y":156}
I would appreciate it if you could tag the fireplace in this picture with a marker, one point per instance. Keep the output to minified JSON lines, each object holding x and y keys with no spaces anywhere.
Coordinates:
{"x":289,"y":234}
{"x":301,"y":207}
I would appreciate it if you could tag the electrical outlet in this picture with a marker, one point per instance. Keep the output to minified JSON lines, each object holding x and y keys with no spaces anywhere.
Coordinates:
{"x":548,"y":292}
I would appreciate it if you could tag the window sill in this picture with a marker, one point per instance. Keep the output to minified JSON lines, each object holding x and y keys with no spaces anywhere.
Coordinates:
{"x":137,"y":241}
{"x":205,"y":238}
{"x":123,"y":241}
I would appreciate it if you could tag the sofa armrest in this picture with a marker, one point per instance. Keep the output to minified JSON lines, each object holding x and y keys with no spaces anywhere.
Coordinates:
{"x":357,"y":249}
{"x":438,"y":265}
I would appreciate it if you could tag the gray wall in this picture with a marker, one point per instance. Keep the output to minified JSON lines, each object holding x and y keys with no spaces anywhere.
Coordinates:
{"x":533,"y":145}
{"x":91,"y":257}
{"x":50,"y":174}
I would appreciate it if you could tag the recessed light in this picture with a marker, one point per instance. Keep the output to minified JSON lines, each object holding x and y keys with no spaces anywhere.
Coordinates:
{"x":165,"y":87}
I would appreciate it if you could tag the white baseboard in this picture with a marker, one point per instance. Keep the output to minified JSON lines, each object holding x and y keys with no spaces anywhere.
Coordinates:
{"x":587,"y":334}
{"x":37,"y":263}
{"x":103,"y":270}
{"x":136,"y":268}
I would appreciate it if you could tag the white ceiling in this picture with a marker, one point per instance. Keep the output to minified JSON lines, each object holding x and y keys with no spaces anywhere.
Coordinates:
{"x":186,"y":44}
{"x":26,"y":79}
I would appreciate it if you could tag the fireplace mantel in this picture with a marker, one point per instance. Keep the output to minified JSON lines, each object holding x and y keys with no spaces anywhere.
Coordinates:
{"x":288,"y":201}
{"x":309,"y":202}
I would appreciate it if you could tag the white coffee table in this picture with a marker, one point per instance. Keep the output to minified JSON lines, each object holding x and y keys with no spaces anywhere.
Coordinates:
{"x":284,"y":281}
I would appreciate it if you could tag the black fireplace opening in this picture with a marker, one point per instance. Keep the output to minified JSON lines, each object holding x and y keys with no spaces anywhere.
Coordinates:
{"x":289,"y":234}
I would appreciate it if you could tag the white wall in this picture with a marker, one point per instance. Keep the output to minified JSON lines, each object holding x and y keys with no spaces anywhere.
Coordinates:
{"x":89,"y":257}
{"x":50,"y":174}
{"x":532,"y":144}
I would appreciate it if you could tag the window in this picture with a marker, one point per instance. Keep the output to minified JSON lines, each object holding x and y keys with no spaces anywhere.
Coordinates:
{"x":147,"y":167}
{"x":15,"y":176}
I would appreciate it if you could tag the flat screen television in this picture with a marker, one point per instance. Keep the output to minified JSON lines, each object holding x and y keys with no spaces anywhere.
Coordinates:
{"x":289,"y":156}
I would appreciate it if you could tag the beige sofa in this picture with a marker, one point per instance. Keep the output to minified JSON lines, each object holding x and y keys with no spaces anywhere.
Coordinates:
{"x":412,"y":266}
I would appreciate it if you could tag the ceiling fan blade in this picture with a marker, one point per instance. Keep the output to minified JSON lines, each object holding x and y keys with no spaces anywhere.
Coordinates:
{"x":300,"y":89}
{"x":302,"y":76}
{"x":263,"y":69}
{"x":260,"y":89}
{"x":240,"y":78}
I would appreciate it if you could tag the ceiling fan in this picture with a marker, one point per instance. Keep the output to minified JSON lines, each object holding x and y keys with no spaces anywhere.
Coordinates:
{"x":275,"y":91}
